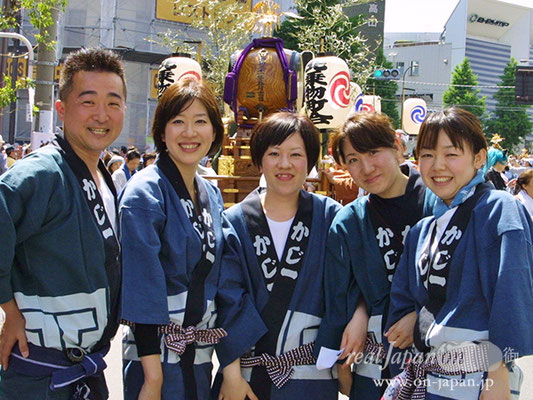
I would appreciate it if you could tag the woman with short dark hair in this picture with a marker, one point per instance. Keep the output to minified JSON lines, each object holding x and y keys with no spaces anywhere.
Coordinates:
{"x":364,"y":246}
{"x":467,"y":271}
{"x":524,"y":185}
{"x":278,"y":242}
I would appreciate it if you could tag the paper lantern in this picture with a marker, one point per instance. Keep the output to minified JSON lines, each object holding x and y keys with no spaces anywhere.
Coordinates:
{"x":174,"y":68}
{"x":328,"y":91}
{"x":358,"y":94}
{"x":414,"y":113}
{"x":371,"y":103}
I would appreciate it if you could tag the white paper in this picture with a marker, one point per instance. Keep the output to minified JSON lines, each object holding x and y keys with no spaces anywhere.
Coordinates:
{"x":327,"y":357}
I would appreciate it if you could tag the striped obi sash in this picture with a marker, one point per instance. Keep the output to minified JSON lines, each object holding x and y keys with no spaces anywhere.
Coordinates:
{"x":177,"y":338}
{"x":465,"y":359}
{"x":279,"y":368}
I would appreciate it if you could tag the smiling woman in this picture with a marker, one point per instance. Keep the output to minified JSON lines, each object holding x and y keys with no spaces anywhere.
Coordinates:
{"x":365,"y":243}
{"x":171,"y":224}
{"x":278,"y":245}
{"x":466,"y":270}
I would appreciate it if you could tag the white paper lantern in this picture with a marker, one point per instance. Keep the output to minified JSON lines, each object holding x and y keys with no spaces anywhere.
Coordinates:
{"x":173,"y":69}
{"x":414,"y":113}
{"x":358,"y":94}
{"x":328,"y":97}
{"x":371,"y":103}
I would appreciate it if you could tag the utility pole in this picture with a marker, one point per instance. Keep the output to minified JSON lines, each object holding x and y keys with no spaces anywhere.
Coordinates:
{"x":44,"y":84}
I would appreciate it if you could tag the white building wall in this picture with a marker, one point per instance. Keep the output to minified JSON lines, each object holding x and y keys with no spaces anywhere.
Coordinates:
{"x":518,"y":35}
{"x":433,"y":71}
{"x":456,"y":32}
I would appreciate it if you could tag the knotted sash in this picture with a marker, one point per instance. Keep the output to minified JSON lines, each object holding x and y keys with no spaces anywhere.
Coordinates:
{"x":284,"y":273}
{"x":279,"y":369}
{"x":434,"y":262}
{"x":203,"y":225}
{"x":411,"y":383}
{"x":177,"y":338}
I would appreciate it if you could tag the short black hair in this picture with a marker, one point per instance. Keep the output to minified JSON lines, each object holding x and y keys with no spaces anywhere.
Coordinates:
{"x":132,"y":155}
{"x":461,"y":126}
{"x":276,"y":128}
{"x":89,"y":59}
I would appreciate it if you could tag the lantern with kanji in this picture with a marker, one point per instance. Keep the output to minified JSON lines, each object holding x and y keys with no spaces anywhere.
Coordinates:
{"x":174,"y":68}
{"x":328,"y":99}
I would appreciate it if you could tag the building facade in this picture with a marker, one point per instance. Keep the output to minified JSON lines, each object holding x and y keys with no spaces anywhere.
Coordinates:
{"x":128,"y":27}
{"x":488,"y":32}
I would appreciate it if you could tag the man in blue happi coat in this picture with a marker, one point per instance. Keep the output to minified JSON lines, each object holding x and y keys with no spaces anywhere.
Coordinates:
{"x":60,"y":270}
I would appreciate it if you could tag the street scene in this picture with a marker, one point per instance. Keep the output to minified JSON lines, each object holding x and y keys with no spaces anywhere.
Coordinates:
{"x":251,"y":199}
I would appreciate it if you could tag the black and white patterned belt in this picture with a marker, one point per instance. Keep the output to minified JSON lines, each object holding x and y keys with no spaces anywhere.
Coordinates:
{"x":465,"y":359}
{"x":279,"y":368}
{"x":178,"y":338}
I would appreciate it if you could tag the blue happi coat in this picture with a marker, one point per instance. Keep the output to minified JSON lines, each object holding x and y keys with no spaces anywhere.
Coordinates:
{"x":53,"y":264}
{"x":489,"y":289}
{"x":53,"y":258}
{"x":306,"y":306}
{"x":160,"y":251}
{"x":355,"y":268}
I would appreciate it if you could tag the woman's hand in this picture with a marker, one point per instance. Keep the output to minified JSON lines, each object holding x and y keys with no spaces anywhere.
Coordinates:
{"x":234,"y":386}
{"x":354,"y":335}
{"x":345,"y":379}
{"x":400,"y":334}
{"x":496,"y":386}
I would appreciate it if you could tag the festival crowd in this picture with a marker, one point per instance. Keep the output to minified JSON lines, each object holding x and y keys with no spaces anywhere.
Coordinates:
{"x":418,"y":286}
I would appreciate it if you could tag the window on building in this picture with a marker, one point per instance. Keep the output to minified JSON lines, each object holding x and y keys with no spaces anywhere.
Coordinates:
{"x":75,"y":27}
{"x":414,"y":68}
{"x":400,"y":65}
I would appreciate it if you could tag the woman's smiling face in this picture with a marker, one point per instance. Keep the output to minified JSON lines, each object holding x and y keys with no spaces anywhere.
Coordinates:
{"x":446,"y":169}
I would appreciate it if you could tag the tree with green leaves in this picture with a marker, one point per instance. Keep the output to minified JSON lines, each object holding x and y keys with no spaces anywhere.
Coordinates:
{"x":327,"y":19}
{"x":288,"y":30}
{"x":40,"y":13}
{"x":463,"y":93}
{"x":509,"y":120}
{"x":226,"y":27}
